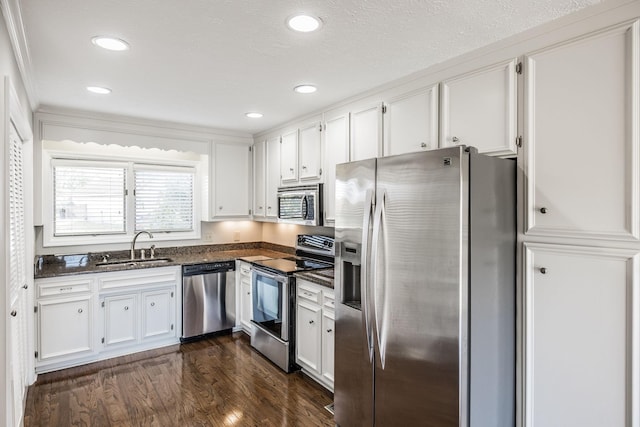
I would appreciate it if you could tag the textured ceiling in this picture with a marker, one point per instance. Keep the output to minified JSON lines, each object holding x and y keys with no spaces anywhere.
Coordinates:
{"x":207,"y":62}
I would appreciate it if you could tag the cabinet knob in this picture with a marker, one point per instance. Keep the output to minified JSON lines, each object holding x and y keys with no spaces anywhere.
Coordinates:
{"x":80,"y":310}
{"x":543,"y":210}
{"x":248,"y":293}
{"x":126,"y":307}
{"x":304,"y":167}
{"x":259,"y":207}
{"x":455,"y":139}
{"x":153,"y":304}
{"x":543,"y":270}
{"x":423,"y":145}
{"x":329,"y":331}
{"x":220,"y":207}
{"x":268,"y":207}
{"x":311,"y":322}
{"x":25,"y":286}
{"x":291,"y":170}
{"x":14,"y":313}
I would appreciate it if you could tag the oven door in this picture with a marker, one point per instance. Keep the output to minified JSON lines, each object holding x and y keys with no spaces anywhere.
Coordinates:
{"x":270,"y":294}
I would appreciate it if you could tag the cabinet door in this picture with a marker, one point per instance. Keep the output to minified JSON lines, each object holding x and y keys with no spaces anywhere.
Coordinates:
{"x":273,"y":177}
{"x":581,"y":317}
{"x":65,"y":327}
{"x":366,"y":132}
{"x":246,"y":310}
{"x":328,"y":345}
{"x":336,"y":151}
{"x":259,"y":179}
{"x":309,"y":147}
{"x":231,"y":175}
{"x":158,"y":314}
{"x":289,"y":157}
{"x":120,"y":321}
{"x":308,"y":335}
{"x":581,"y":137}
{"x":411,"y":122}
{"x":479,"y":109}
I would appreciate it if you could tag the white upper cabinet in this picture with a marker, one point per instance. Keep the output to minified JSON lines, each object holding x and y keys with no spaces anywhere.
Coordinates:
{"x":231,"y":184}
{"x":581,"y":124}
{"x":300,"y":152}
{"x":366,"y":132}
{"x":272,"y":174}
{"x":581,"y":328}
{"x":411,"y":122}
{"x":259,"y":179}
{"x":479,"y":109}
{"x":336,"y":151}
{"x":289,"y":157}
{"x":310,"y":152}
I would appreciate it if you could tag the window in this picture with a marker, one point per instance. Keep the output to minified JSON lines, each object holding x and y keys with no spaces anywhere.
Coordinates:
{"x":106,"y":199}
{"x":164,"y":198}
{"x":89,"y":198}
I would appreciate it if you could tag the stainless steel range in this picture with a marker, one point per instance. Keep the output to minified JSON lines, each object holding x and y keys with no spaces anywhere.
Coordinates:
{"x":273,"y":293}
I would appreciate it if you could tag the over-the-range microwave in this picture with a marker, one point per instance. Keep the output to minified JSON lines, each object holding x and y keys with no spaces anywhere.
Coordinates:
{"x":300,"y":204}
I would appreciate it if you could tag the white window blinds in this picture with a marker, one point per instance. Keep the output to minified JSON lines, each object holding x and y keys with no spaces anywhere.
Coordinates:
{"x":164,"y":198}
{"x":17,"y":246}
{"x":89,"y":198}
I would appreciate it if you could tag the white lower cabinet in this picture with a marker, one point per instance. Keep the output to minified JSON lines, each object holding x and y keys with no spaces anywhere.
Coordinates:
{"x":243,"y":284}
{"x":309,"y":336}
{"x":315,"y":331}
{"x":581,"y":329}
{"x":120,"y":317}
{"x":328,"y":345}
{"x":158,"y":314}
{"x":65,"y":320}
{"x":65,"y":328}
{"x":91,"y":317}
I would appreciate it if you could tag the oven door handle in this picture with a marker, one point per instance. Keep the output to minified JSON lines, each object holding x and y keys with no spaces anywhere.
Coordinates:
{"x":276,"y":277}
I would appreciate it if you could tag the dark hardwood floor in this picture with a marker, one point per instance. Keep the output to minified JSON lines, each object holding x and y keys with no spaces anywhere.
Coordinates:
{"x":219,"y":381}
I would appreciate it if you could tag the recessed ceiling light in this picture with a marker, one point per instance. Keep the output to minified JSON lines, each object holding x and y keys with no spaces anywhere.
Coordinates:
{"x":304,"y":23}
{"x":99,"y":90}
{"x":253,"y":115}
{"x":305,"y":88}
{"x":110,"y":43}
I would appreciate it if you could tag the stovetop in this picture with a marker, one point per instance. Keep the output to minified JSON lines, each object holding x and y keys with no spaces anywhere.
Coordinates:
{"x":292,"y":264}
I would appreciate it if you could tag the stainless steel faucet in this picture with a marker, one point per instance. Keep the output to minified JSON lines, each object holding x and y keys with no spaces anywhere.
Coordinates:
{"x":133,"y":243}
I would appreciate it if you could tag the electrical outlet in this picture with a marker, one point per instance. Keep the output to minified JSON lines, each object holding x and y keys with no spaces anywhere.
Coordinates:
{"x":236,"y":236}
{"x":208,"y":237}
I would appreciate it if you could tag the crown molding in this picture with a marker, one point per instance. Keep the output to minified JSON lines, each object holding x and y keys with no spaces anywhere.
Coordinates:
{"x":13,"y":19}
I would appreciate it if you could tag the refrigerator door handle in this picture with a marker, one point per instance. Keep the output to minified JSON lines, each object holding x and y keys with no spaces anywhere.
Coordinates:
{"x":377,"y":280}
{"x":364,"y":270}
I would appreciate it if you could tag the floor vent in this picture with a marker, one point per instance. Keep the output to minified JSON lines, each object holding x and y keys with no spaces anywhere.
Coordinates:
{"x":329,"y":408}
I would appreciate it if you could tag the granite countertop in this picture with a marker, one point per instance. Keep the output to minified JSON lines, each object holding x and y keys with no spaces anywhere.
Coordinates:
{"x":321,"y":277}
{"x":61,"y":265}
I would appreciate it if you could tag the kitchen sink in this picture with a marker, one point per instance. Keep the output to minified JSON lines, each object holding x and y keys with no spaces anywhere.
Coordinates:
{"x":134,"y":262}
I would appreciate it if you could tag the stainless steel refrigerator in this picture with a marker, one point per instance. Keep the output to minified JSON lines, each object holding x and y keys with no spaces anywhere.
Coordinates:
{"x":425,"y":268}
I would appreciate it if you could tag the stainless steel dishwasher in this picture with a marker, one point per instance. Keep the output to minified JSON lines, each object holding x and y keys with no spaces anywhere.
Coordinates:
{"x":208,"y":298}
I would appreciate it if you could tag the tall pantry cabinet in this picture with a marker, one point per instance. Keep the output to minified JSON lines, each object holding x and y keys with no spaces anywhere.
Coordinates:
{"x":581,"y":249}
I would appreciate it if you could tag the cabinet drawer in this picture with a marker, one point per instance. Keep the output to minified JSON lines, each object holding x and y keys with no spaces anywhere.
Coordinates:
{"x":138,"y":278}
{"x":310,"y":294}
{"x":329,"y":300}
{"x":67,"y":287}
